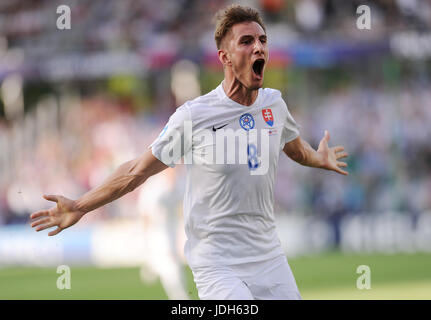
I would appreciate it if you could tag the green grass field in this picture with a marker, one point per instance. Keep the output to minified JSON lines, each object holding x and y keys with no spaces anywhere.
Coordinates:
{"x":331,"y":276}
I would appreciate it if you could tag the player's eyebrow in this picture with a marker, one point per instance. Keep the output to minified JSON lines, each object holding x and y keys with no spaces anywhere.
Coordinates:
{"x":249,"y":36}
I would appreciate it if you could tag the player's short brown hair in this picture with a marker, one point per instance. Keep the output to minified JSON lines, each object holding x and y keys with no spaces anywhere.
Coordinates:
{"x":226,"y":18}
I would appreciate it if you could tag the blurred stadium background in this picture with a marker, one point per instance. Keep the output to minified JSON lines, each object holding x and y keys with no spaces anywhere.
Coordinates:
{"x":75,"y":104}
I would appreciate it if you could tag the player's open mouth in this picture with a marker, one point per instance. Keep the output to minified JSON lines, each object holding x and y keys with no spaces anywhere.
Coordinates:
{"x":258,"y":67}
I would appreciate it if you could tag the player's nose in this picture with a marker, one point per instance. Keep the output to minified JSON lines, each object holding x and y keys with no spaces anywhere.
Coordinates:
{"x":258,"y":47}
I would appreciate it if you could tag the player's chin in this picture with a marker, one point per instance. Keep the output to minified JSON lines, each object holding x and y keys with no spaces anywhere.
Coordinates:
{"x":256,"y":84}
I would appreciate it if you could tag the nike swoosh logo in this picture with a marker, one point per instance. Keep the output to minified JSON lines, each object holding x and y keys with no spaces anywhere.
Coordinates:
{"x":214,"y":128}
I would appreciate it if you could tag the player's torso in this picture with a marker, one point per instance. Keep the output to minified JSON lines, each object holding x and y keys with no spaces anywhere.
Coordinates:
{"x":234,"y":157}
{"x":230,"y":137}
{"x":230,"y":180}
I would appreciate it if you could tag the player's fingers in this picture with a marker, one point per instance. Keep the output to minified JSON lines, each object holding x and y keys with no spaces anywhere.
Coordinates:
{"x":338,"y":149}
{"x":45,"y":226}
{"x":42,"y":213}
{"x":342,"y":172}
{"x":341,"y":164}
{"x":51,"y":197}
{"x":324,"y":142}
{"x":53,"y":233}
{"x":342,"y":155}
{"x":327,"y":136}
{"x":40,"y":221}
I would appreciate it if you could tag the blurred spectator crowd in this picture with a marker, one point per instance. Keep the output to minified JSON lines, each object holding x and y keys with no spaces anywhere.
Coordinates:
{"x":145,"y":24}
{"x":70,"y":142}
{"x":151,"y":34}
{"x":385,"y":132}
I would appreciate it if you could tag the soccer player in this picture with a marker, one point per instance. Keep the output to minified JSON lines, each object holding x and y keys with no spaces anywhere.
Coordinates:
{"x":158,"y":205}
{"x":232,"y":246}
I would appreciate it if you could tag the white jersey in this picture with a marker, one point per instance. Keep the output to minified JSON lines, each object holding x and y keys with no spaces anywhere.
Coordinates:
{"x":228,"y":211}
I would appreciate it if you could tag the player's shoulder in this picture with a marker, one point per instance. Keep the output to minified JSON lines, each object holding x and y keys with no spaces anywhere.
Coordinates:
{"x":272,"y":97}
{"x":199,"y":104}
{"x":271,"y":92}
{"x":203,"y":100}
{"x":191,"y":108}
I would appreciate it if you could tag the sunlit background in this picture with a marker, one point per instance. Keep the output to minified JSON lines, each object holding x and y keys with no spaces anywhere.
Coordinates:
{"x":76,"y":103}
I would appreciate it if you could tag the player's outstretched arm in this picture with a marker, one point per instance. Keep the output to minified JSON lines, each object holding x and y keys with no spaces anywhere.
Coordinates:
{"x":325,"y":157}
{"x":125,"y":179}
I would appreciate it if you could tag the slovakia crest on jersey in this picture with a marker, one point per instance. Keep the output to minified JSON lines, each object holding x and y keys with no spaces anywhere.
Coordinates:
{"x":268,"y":117}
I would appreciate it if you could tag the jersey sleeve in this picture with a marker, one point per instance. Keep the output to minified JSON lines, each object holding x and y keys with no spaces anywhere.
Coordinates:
{"x":175,"y":139}
{"x":290,"y":127}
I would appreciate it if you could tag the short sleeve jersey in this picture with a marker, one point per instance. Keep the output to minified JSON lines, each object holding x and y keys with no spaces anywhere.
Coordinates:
{"x":229,"y":196}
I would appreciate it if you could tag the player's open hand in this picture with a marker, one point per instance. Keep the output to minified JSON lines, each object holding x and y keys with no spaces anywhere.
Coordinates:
{"x":330,"y":156}
{"x":63,"y":215}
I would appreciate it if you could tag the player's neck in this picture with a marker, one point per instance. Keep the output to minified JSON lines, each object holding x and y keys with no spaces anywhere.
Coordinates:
{"x":236,"y":91}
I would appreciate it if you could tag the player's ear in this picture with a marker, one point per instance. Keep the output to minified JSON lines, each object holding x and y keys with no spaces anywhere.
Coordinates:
{"x":224,"y":57}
